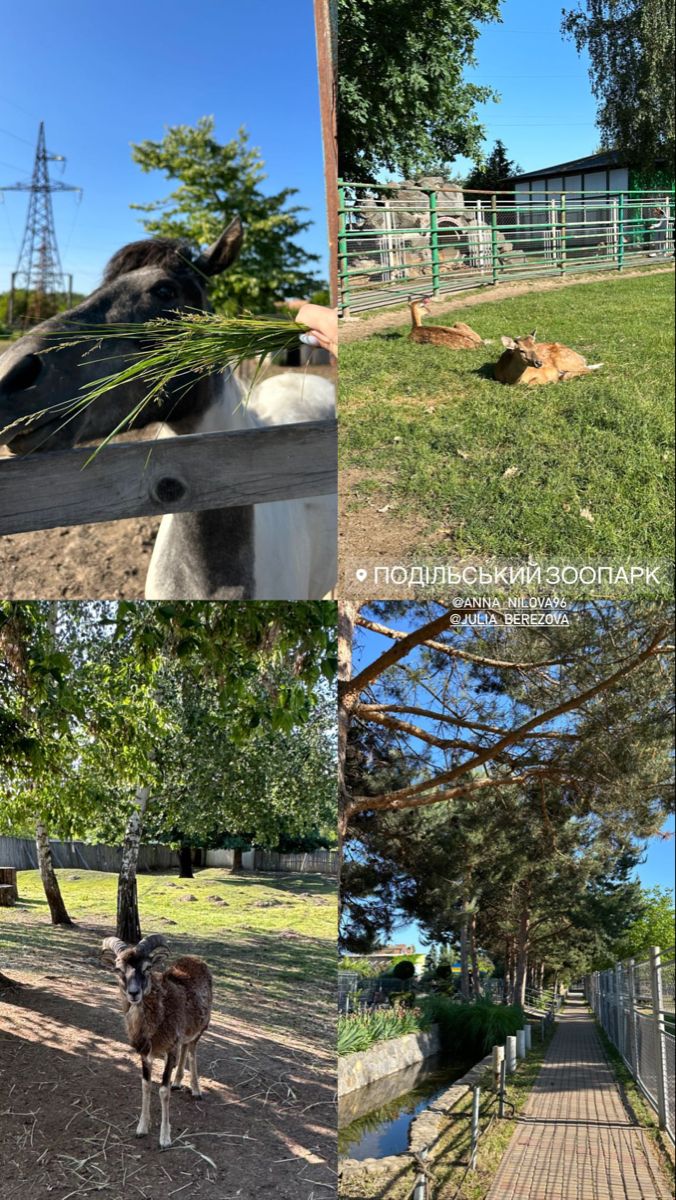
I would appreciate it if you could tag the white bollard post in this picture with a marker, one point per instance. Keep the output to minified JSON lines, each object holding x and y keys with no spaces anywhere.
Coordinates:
{"x":510,"y":1055}
{"x":529,"y":1037}
{"x":521,"y":1043}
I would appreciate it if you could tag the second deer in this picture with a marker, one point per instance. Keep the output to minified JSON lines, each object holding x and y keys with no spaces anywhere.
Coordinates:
{"x":536,"y":363}
{"x":455,"y":337}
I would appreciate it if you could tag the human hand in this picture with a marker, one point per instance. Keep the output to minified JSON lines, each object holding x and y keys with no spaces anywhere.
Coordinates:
{"x":322,"y":323}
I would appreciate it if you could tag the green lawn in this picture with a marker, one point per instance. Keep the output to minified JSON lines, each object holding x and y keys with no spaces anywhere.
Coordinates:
{"x":274,"y":932}
{"x":582,"y":469}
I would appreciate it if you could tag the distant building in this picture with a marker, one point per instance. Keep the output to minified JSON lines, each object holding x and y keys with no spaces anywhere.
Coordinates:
{"x":608,"y":171}
{"x":591,"y":186}
{"x":383,"y":959}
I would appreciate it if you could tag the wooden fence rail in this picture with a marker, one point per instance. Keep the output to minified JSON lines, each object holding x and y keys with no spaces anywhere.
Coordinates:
{"x":182,"y":474}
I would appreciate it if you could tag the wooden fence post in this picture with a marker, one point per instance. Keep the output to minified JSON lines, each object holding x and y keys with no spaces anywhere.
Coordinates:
{"x":8,"y":877}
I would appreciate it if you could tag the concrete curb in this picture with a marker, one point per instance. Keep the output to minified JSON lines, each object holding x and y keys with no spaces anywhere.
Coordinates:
{"x":385,"y":1058}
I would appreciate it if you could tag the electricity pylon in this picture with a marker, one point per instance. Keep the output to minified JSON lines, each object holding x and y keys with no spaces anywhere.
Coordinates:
{"x":39,"y":269}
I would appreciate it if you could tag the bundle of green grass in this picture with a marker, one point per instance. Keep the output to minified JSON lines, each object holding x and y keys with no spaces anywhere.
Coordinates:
{"x":183,"y":345}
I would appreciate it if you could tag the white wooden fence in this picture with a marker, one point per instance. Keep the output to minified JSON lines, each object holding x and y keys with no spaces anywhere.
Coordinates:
{"x":182,"y":474}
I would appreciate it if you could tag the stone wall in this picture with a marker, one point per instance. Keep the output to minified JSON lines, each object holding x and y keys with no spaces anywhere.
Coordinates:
{"x":366,"y":1066}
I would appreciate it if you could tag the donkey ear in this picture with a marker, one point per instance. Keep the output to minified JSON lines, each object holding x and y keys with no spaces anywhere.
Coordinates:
{"x":508,"y":342}
{"x":223,"y":252}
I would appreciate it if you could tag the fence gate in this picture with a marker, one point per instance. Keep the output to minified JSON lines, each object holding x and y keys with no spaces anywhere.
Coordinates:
{"x":401,"y":240}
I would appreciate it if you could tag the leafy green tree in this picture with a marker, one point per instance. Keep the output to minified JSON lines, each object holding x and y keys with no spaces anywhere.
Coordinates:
{"x":653,"y":927}
{"x":107,"y":724}
{"x":631,"y":50}
{"x":494,"y":173}
{"x":403,"y":103}
{"x":216,"y":180}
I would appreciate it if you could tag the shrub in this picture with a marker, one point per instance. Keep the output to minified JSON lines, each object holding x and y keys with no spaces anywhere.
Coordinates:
{"x":402,"y":999}
{"x":474,"y":1027}
{"x":404,"y":969}
{"x":361,"y":1030}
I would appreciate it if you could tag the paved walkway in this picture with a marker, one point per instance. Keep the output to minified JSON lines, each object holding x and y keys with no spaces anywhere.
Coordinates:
{"x":574,"y":1139}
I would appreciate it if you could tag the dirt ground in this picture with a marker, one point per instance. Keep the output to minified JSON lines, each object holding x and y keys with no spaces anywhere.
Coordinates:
{"x":70,"y":1085}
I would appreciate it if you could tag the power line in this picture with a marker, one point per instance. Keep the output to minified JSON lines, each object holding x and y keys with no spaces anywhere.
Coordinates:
{"x":13,"y":167}
{"x":16,"y":136}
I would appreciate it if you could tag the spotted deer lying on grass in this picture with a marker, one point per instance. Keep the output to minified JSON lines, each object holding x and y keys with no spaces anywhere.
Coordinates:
{"x":166,"y":1014}
{"x":535,"y":363}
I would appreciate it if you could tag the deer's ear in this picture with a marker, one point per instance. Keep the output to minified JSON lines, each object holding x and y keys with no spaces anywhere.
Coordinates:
{"x":508,"y":342}
{"x":533,"y":333}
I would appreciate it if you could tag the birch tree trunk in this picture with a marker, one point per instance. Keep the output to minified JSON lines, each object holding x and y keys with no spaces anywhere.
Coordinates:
{"x":464,"y":956}
{"x":128,"y":921}
{"x":476,"y":974}
{"x":522,"y":955}
{"x":347,"y":615}
{"x":50,"y":883}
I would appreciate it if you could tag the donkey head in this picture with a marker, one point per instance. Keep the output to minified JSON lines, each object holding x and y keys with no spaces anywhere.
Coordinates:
{"x":133,"y":964}
{"x":525,"y":347}
{"x":144,"y":280}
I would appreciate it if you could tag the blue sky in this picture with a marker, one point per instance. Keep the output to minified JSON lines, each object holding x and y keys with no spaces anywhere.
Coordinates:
{"x":656,"y":871}
{"x":546,"y":113}
{"x":102,"y":76}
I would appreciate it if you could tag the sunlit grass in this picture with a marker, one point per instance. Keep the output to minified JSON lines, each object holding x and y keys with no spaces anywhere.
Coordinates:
{"x":277,"y":932}
{"x":582,"y":469}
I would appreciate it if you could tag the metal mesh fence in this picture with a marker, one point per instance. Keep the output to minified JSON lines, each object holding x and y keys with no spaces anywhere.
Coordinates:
{"x":634,"y":1002}
{"x":401,"y":240}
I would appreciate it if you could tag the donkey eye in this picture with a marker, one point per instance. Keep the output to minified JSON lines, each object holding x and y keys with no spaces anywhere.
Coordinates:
{"x":164,"y":291}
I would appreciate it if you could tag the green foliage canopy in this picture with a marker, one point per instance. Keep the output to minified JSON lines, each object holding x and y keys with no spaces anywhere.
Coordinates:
{"x":631,"y":49}
{"x":403,"y":103}
{"x":215,"y":180}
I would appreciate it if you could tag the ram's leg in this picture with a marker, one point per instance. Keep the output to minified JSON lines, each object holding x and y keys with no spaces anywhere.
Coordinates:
{"x":143,"y":1126}
{"x":165,"y":1092}
{"x":194,"y":1077}
{"x":178,"y":1078}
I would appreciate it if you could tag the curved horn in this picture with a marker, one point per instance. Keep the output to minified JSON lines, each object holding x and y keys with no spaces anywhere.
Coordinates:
{"x":148,"y":946}
{"x":111,"y":947}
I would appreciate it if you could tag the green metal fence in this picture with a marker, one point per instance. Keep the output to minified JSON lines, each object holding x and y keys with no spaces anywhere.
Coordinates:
{"x":397,"y":240}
